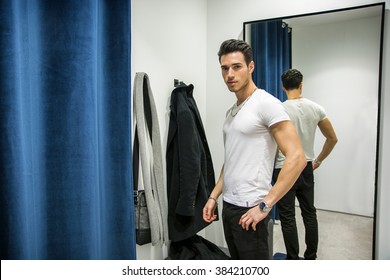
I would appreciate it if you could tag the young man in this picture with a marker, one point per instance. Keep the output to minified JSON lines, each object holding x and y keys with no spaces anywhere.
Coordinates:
{"x":255,"y":125}
{"x":306,"y":116}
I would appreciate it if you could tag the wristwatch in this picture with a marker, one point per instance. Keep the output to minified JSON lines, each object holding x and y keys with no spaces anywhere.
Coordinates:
{"x":264,"y":207}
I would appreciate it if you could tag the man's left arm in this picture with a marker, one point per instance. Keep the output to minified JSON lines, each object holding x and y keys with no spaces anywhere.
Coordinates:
{"x":290,"y":145}
{"x":331,"y":139}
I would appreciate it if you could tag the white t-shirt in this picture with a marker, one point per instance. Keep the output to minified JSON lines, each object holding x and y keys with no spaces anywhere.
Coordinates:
{"x":305,"y":115}
{"x":250,"y":149}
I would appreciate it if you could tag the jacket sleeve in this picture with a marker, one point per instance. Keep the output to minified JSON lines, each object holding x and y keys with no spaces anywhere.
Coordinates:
{"x":189,"y":160}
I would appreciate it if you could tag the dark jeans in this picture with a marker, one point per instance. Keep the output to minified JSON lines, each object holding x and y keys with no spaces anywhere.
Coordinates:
{"x":303,"y":190}
{"x":243,"y":244}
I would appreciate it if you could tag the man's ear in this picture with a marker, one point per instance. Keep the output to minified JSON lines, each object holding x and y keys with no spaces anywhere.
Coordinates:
{"x":251,"y":66}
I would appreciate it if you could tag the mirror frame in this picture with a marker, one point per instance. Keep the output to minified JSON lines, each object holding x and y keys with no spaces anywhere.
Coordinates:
{"x":382,"y":5}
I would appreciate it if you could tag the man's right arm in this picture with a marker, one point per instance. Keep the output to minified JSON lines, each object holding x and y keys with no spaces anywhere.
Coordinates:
{"x":211,"y":204}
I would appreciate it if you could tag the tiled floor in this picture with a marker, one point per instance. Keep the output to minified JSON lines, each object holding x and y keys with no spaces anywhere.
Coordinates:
{"x":341,"y":236}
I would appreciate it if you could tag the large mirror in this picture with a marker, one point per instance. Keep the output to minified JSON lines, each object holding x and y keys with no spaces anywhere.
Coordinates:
{"x":339,"y":54}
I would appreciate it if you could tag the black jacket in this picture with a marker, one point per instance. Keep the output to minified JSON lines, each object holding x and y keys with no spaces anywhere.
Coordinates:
{"x":190,"y":173}
{"x":196,"y":248}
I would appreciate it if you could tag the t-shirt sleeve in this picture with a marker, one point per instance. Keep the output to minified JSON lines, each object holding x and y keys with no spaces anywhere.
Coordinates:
{"x":272,"y":112}
{"x":321,"y":112}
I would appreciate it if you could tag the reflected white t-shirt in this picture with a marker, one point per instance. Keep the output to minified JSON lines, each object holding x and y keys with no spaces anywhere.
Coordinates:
{"x":305,"y":115}
{"x":250,"y":149}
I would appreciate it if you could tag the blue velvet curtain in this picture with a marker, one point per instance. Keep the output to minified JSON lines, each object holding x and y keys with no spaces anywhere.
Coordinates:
{"x":65,"y":144}
{"x":271,"y":44}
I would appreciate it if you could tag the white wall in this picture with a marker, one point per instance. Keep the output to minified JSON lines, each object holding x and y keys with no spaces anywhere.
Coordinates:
{"x":180,"y":39}
{"x":169,"y":42}
{"x":226,"y":19}
{"x":340,"y":64}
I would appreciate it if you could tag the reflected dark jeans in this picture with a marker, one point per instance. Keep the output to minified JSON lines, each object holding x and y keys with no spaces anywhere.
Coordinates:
{"x":303,"y":190}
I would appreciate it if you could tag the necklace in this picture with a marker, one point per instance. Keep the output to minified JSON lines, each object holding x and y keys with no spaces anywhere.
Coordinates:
{"x":236,"y":108}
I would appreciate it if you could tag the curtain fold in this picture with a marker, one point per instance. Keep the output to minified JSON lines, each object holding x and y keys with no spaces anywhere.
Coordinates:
{"x":271,"y":45}
{"x":65,"y":145}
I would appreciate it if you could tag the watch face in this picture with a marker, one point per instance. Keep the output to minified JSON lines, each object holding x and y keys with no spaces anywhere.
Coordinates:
{"x":264,"y":207}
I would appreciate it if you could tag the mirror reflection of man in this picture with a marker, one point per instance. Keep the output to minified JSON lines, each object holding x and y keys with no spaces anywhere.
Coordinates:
{"x":254,"y":126}
{"x":306,"y":116}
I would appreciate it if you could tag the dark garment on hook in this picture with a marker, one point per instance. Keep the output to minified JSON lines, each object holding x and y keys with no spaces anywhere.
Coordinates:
{"x":190,"y":173}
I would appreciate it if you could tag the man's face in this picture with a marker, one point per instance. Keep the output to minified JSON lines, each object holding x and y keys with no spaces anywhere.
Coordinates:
{"x":236,"y":73}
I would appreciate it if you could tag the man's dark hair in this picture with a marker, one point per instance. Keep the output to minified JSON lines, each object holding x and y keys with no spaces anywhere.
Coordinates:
{"x":233,"y":45}
{"x":292,"y":79}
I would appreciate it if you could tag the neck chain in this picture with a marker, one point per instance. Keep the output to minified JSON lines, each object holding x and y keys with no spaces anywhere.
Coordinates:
{"x":236,"y":108}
